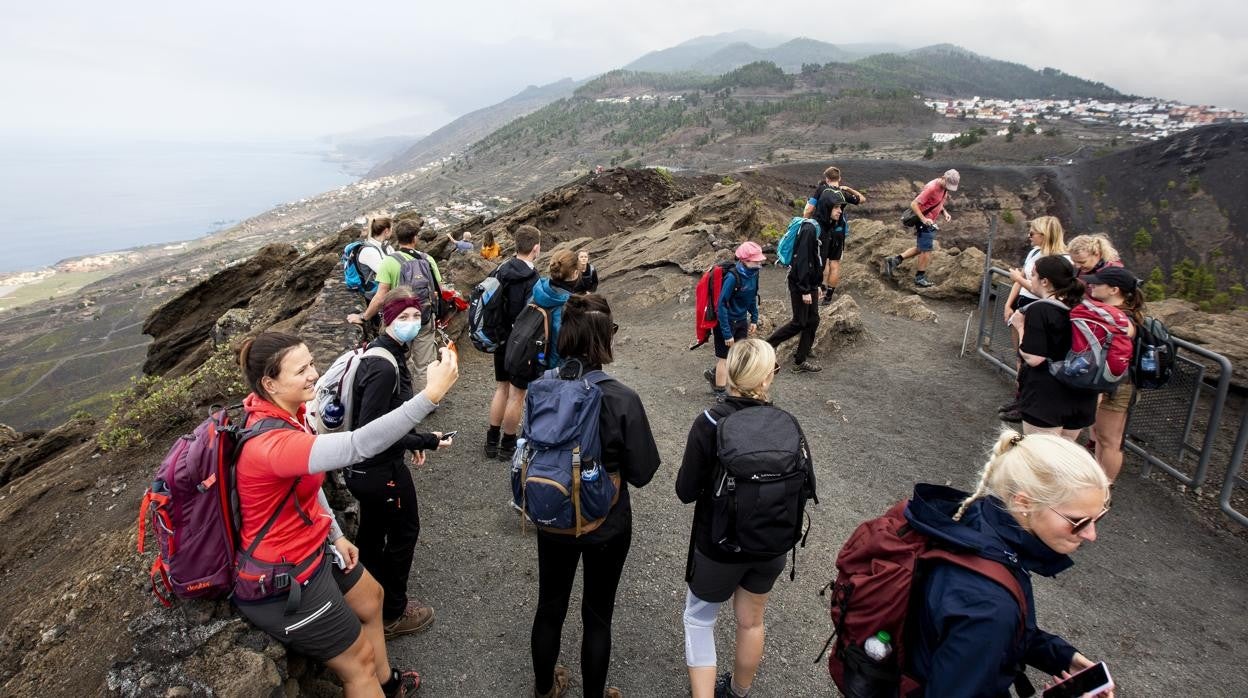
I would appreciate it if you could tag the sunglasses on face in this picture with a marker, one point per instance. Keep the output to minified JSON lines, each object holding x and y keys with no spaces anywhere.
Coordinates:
{"x":1077,"y":525}
{"x":775,"y":370}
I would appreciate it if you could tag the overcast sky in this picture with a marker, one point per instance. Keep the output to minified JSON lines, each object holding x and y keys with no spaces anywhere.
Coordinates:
{"x":230,"y":69}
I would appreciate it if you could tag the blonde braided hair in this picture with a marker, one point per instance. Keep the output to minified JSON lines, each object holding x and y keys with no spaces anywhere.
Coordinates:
{"x":750,"y":363}
{"x":1048,"y":470}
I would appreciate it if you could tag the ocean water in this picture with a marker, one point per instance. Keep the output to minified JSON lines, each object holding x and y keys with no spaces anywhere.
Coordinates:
{"x":65,"y":200}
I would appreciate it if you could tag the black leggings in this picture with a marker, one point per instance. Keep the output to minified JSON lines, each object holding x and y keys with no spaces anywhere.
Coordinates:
{"x":556,"y":567}
{"x":805,"y":321}
{"x":389,"y":527}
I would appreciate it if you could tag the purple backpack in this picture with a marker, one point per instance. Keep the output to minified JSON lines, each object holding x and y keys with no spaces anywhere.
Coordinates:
{"x":193,"y":508}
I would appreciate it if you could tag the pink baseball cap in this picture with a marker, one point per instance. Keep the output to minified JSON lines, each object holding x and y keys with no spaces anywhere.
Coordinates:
{"x":952,"y":179}
{"x":750,"y":252}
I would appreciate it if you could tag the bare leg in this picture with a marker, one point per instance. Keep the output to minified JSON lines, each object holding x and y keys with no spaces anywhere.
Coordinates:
{"x":924,"y":259}
{"x":910,"y":253}
{"x":702,"y":681}
{"x":365,"y":599}
{"x":721,"y":373}
{"x":833,"y":276}
{"x":1108,"y":431}
{"x":515,"y":410}
{"x":1030,"y":429}
{"x":357,"y":669}
{"x":498,"y":405}
{"x":748,"y":609}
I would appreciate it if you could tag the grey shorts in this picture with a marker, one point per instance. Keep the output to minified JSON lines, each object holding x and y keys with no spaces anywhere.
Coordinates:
{"x":716,"y":581}
{"x":323,"y":626}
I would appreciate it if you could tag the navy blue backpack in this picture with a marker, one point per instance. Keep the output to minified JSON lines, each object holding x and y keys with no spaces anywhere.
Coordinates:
{"x":557,"y":477}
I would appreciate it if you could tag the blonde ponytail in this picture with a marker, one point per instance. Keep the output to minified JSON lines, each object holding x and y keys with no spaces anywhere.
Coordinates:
{"x":1048,"y":470}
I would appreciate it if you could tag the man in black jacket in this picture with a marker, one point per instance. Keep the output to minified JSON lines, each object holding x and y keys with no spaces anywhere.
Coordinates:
{"x":516,"y":278}
{"x":805,"y":277}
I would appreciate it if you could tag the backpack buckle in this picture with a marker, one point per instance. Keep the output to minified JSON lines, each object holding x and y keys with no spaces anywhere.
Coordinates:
{"x":281,"y":580}
{"x":732,"y":484}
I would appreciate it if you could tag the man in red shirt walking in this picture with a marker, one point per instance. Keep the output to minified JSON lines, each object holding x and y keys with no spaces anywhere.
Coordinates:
{"x":928,"y":206}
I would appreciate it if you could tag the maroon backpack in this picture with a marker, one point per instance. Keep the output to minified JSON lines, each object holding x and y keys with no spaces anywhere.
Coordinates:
{"x":193,"y":510}
{"x":875,"y":572}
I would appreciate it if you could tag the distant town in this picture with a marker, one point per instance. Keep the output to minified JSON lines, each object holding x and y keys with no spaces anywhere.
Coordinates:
{"x":1146,"y":119}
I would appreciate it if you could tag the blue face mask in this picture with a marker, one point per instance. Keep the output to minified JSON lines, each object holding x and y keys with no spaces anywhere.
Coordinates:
{"x":405,"y":330}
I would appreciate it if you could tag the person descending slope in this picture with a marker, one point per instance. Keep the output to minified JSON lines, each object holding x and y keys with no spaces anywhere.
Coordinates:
{"x":924,"y":210}
{"x":805,"y":275}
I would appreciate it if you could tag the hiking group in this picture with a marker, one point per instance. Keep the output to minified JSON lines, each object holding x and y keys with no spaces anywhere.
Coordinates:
{"x":933,"y":598}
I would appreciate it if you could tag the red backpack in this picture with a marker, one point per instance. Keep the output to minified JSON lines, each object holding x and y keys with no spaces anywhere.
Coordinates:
{"x":705,"y":300}
{"x":875,"y":573}
{"x":1100,"y":347}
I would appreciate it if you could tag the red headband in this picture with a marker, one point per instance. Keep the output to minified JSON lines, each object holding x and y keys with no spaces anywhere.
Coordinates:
{"x":394,"y":308}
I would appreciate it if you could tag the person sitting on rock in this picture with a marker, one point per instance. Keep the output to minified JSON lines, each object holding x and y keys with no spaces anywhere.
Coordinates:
{"x":833,"y":248}
{"x":389,"y":512}
{"x":805,"y":275}
{"x":489,"y":248}
{"x":928,"y":206}
{"x":330,"y":607}
{"x":464,"y":245}
{"x":737,"y":312}
{"x":588,"y":283}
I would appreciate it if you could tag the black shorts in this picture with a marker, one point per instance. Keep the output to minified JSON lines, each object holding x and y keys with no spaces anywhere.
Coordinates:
{"x":833,"y":247}
{"x":716,"y":581}
{"x":323,"y":626}
{"x":740,"y":330}
{"x":500,"y":370}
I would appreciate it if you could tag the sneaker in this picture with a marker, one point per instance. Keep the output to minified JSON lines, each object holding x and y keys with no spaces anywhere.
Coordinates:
{"x":723,"y":685}
{"x":827,"y":300}
{"x":1013,"y":416}
{"x":709,"y":375}
{"x":889,"y":266}
{"x":612,"y":692}
{"x":409,"y":683}
{"x":922,"y":282}
{"x":491,"y":446}
{"x":1009,"y":406}
{"x":806,"y":367}
{"x":416,"y":618}
{"x":721,"y":395}
{"x":506,"y":451}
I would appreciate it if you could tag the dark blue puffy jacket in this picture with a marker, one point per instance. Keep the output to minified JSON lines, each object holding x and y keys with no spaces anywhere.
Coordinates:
{"x":963,"y":637}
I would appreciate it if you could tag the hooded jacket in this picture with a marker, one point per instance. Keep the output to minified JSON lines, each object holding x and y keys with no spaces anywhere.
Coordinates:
{"x":806,"y":272}
{"x":963,"y":637}
{"x":517,"y":279}
{"x":551,"y":296}
{"x":738,"y":297}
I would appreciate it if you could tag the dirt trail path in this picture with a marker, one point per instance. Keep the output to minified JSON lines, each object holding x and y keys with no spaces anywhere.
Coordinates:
{"x":1160,"y":596}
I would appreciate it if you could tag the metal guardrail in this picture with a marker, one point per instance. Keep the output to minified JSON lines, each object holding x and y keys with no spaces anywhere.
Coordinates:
{"x":1161,"y":424}
{"x":1233,"y":478}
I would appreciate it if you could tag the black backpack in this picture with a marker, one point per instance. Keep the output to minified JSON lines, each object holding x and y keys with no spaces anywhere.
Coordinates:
{"x":762,"y":483}
{"x":529,"y":343}
{"x":1152,"y":362}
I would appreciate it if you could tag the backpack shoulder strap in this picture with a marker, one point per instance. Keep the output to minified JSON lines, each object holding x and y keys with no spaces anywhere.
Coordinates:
{"x":991,"y":569}
{"x":265,"y":425}
{"x":378,"y":352}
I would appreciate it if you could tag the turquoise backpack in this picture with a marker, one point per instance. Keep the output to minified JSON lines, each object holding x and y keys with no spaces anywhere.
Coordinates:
{"x":784,"y":249}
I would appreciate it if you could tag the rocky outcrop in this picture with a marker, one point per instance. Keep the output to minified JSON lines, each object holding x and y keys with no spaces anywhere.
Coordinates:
{"x":1221,"y":333}
{"x":21,"y":453}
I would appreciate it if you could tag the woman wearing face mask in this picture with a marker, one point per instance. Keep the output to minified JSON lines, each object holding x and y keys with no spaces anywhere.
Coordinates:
{"x":389,"y":514}
{"x":1038,"y":500}
{"x":325,"y":610}
{"x":737,"y":312}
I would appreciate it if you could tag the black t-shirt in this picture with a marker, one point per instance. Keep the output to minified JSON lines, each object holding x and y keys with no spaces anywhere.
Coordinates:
{"x":1046,"y":402}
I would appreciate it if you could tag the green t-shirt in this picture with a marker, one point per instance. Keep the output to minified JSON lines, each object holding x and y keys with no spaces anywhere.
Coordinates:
{"x":389,"y":272}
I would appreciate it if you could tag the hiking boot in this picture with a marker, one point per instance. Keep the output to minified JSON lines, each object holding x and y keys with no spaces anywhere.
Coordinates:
{"x":922,"y":282}
{"x":723,"y":685}
{"x":807,"y":367}
{"x":416,"y":618}
{"x":709,"y":375}
{"x":889,"y":266}
{"x":1011,"y":405}
{"x":506,"y":449}
{"x":721,"y":394}
{"x":612,"y":692}
{"x":827,"y":299}
{"x":409,"y":683}
{"x":1013,"y":416}
{"x":559,"y":687}
{"x":491,"y":445}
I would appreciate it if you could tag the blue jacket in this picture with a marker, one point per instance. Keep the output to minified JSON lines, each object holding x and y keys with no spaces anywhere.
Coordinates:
{"x":738,"y":296}
{"x":963,"y":635}
{"x":552,"y":298}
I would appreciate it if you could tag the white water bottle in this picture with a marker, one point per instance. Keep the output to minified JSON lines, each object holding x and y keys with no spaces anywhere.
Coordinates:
{"x":877,"y":646}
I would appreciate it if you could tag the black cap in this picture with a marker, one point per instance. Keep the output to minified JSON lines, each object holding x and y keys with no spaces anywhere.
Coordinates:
{"x":1117,"y":277}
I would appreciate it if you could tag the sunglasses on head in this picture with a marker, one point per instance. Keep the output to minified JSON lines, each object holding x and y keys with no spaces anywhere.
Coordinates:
{"x":1077,"y":525}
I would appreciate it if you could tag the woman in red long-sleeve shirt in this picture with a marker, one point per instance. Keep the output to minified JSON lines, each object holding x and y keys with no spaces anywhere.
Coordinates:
{"x":330,"y":612}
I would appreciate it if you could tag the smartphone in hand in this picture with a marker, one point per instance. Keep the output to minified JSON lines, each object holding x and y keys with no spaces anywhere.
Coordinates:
{"x":1090,"y":681}
{"x":449,"y":435}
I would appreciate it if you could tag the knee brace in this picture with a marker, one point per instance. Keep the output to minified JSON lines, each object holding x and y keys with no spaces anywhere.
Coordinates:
{"x":700,"y":631}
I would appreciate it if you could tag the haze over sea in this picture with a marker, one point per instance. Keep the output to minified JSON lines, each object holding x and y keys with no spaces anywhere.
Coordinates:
{"x":69,"y":199}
